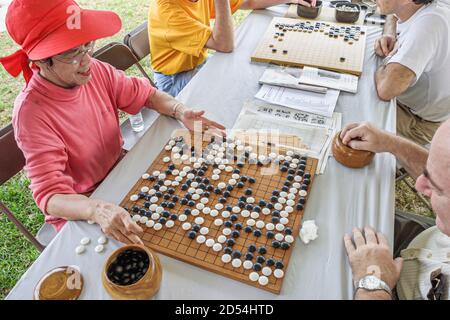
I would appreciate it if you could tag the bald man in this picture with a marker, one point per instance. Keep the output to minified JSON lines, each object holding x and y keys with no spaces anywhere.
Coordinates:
{"x":423,"y":270}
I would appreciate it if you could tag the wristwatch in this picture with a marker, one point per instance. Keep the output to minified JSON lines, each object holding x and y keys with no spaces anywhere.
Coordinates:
{"x":372,"y":283}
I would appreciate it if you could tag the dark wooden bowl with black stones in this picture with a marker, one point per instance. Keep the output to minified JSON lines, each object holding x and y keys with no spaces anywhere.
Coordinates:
{"x":309,"y":12}
{"x":345,"y":16}
{"x":132,"y":272}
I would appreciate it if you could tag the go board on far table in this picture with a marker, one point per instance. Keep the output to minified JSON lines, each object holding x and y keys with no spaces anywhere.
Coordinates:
{"x":317,"y":44}
{"x":221,"y":210}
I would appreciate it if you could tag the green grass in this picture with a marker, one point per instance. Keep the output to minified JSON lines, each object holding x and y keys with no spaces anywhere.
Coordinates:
{"x":16,"y":253}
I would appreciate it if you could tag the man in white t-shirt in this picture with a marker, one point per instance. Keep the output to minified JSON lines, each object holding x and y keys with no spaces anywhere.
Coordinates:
{"x":423,"y":270}
{"x":416,"y":69}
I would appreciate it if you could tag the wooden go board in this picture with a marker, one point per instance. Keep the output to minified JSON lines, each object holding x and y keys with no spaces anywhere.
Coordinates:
{"x":317,"y":44}
{"x":222,"y":224}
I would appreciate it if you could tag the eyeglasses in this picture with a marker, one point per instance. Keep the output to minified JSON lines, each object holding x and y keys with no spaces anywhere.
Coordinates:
{"x":75,"y":56}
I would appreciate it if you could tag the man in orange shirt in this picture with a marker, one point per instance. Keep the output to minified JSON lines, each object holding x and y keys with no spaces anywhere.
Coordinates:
{"x":180,"y":35}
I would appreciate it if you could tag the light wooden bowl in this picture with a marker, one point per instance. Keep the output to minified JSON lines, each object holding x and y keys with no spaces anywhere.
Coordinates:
{"x":61,"y":283}
{"x":350,"y":157}
{"x":143,"y":289}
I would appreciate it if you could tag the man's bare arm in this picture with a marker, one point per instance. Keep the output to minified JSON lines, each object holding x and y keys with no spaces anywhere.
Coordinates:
{"x":222,"y":37}
{"x":392,"y":80}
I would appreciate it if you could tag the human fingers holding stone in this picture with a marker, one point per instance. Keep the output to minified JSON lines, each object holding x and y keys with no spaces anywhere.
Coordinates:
{"x":116,"y":222}
{"x":364,"y":136}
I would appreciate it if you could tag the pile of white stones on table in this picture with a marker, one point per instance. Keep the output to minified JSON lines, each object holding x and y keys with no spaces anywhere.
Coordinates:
{"x":349,"y":33}
{"x":347,"y":8}
{"x":198,"y":187}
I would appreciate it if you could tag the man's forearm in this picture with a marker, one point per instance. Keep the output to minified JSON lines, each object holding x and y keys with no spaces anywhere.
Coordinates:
{"x":411,"y":156}
{"x":166,"y":104}
{"x":362,"y":294}
{"x":223,"y":31}
{"x":71,"y":206}
{"x":390,"y":26}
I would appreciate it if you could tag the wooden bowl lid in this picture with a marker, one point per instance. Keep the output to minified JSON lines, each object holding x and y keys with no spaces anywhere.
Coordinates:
{"x":62,"y":283}
{"x":349,"y":157}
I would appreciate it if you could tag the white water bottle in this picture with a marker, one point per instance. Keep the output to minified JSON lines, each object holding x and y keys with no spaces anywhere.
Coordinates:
{"x":137,"y":122}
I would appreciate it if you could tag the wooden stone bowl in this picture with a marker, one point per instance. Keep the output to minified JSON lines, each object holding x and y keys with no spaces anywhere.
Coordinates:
{"x":347,"y":16}
{"x":145,"y":288}
{"x":350,"y":157}
{"x":309,"y":12}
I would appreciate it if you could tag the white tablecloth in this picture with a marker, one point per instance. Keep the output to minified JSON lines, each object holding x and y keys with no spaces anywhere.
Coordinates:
{"x":340,"y":199}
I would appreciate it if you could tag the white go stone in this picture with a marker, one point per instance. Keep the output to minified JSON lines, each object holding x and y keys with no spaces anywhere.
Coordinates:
{"x":247,"y":264}
{"x":154,"y":199}
{"x":178,"y":179}
{"x":293,"y":165}
{"x":153,"y":207}
{"x":199,"y":220}
{"x":197,"y":165}
{"x":214,"y":213}
{"x":209,"y":243}
{"x":288,"y":158}
{"x":288,"y":238}
{"x":168,"y":148}
{"x":221,"y":238}
{"x":145,"y":189}
{"x":150,"y":223}
{"x":279,"y":237}
{"x":226,"y":258}
{"x":265,"y":211}
{"x":266,"y":271}
{"x":283,"y":194}
{"x":162,"y":176}
{"x":136,"y":218}
{"x":236,"y":209}
{"x":176,"y":149}
{"x":282,"y":201}
{"x":151,"y":192}
{"x":253,"y":276}
{"x":156,"y":173}
{"x":155,"y":216}
{"x":260,"y":224}
{"x":289,"y":209}
{"x":204,"y":200}
{"x":291,"y":191}
{"x":167,"y":183}
{"x":245,"y":213}
{"x":254,"y":215}
{"x":190,"y":176}
{"x":200,"y":206}
{"x":186,"y":169}
{"x":250,"y":222}
{"x":284,"y":220}
{"x":175,"y":183}
{"x":194,"y":185}
{"x":163,"y":188}
{"x":145,"y":176}
{"x":170,"y":223}
{"x":229,"y":168}
{"x":204,"y":231}
{"x":236,"y":263}
{"x":195,"y":196}
{"x":295,"y":160}
{"x":219,"y":206}
{"x":225,"y":214}
{"x":221,"y":167}
{"x":175,"y":172}
{"x":226,"y":231}
{"x":270,"y":226}
{"x":186,"y":226}
{"x":235,"y":176}
{"x":159,"y":209}
{"x":302,"y":193}
{"x":134,"y":197}
{"x":85,"y":241}
{"x":289,"y":153}
{"x":80,"y":249}
{"x":143,"y":220}
{"x":191,"y":190}
{"x":218,"y":222}
{"x":278,"y":273}
{"x":232,"y":182}
{"x":284,"y":214}
{"x":290,"y":202}
{"x":182,"y":174}
{"x":250,"y":200}
{"x":200,"y":239}
{"x":263,"y":280}
{"x":221,"y":185}
{"x":182,"y":217}
{"x":217,"y":247}
{"x":184,"y":157}
{"x":298,"y":178}
{"x":99,"y":248}
{"x":166,"y":159}
{"x":296,"y":185}
{"x":278,"y":206}
{"x":157,"y":226}
{"x":279,"y":227}
{"x":217,"y":171}
{"x":206,"y":210}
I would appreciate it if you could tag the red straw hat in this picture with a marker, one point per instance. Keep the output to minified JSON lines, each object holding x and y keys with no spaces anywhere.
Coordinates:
{"x":46,"y":28}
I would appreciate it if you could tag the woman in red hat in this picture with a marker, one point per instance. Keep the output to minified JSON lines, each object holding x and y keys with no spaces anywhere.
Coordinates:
{"x":66,"y":119}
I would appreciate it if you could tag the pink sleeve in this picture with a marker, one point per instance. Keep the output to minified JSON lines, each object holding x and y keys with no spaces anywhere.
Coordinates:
{"x":46,"y":158}
{"x":129,"y":93}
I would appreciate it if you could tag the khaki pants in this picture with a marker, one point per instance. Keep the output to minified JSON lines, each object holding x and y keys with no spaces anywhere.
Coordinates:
{"x":413,"y":127}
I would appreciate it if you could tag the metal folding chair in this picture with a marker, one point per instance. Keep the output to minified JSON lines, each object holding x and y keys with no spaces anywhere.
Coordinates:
{"x":121,"y":57}
{"x":11,"y":162}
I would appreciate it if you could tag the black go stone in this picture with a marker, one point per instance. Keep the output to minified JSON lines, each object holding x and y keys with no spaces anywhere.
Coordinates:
{"x":147,"y":204}
{"x":275,"y":192}
{"x":231,"y":242}
{"x":285,"y":189}
{"x":175,"y":198}
{"x":241,"y":204}
{"x":227,"y":250}
{"x":257,"y":233}
{"x":226,"y":194}
{"x":196,"y":227}
{"x":192,"y":234}
{"x":206,"y":194}
{"x":285,"y":245}
{"x":275,"y":220}
{"x":248,"y":229}
{"x":157,"y":186}
{"x":142,"y":211}
{"x":238,"y":226}
{"x":171,"y":205}
{"x":240,"y":185}
{"x":248,"y":256}
{"x":270,"y":262}
{"x":244,"y":178}
{"x":235,"y":234}
{"x":290,"y":177}
{"x":166,"y":196}
{"x":251,"y":248}
{"x":249,"y":206}
{"x":287,"y":183}
{"x":202,"y":186}
{"x":262,"y":250}
{"x":248,"y":192}
{"x":210,"y":188}
{"x":273,"y":199}
{"x":171,"y":166}
{"x":217,"y":191}
{"x":236,"y":254}
{"x":275,"y":213}
{"x":256,"y":209}
{"x":165,"y":214}
{"x":291,"y":171}
{"x":307,"y":175}
{"x":229,"y":208}
{"x":251,"y":180}
{"x":141,"y":195}
{"x":257,"y":266}
{"x":279,"y":265}
{"x":288,"y":231}
{"x":260,"y":259}
{"x":262,"y":203}
{"x":299,"y":206}
{"x":135,"y":209}
{"x":276,"y":244}
{"x":174,"y":217}
{"x":243,"y":198}
{"x":198,"y":179}
{"x":284,"y":169}
{"x":163,"y":204}
{"x":162,"y":220}
{"x":233,"y":217}
{"x":270,"y":205}
{"x":187,"y":211}
{"x":227,"y":224}
{"x":302,"y":200}
{"x":158,"y":194}
{"x":222,"y":200}
{"x":237,"y":171}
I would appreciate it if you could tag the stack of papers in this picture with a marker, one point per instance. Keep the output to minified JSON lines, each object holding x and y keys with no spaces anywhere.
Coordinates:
{"x":329,"y":79}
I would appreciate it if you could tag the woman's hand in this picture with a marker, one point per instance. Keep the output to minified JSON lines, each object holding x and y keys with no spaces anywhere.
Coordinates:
{"x":195,"y":121}
{"x":116,"y":222}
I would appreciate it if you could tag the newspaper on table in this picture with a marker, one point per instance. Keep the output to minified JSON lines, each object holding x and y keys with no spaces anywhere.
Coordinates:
{"x":329,"y":79}
{"x":315,"y":131}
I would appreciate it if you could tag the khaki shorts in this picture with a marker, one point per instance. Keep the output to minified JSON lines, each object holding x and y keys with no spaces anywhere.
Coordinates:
{"x":414,"y":127}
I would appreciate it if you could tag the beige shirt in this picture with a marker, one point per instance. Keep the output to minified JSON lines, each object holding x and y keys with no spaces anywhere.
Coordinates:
{"x":429,"y":251}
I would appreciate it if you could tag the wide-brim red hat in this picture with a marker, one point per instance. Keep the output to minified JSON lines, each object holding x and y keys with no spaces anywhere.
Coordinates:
{"x":46,"y":28}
